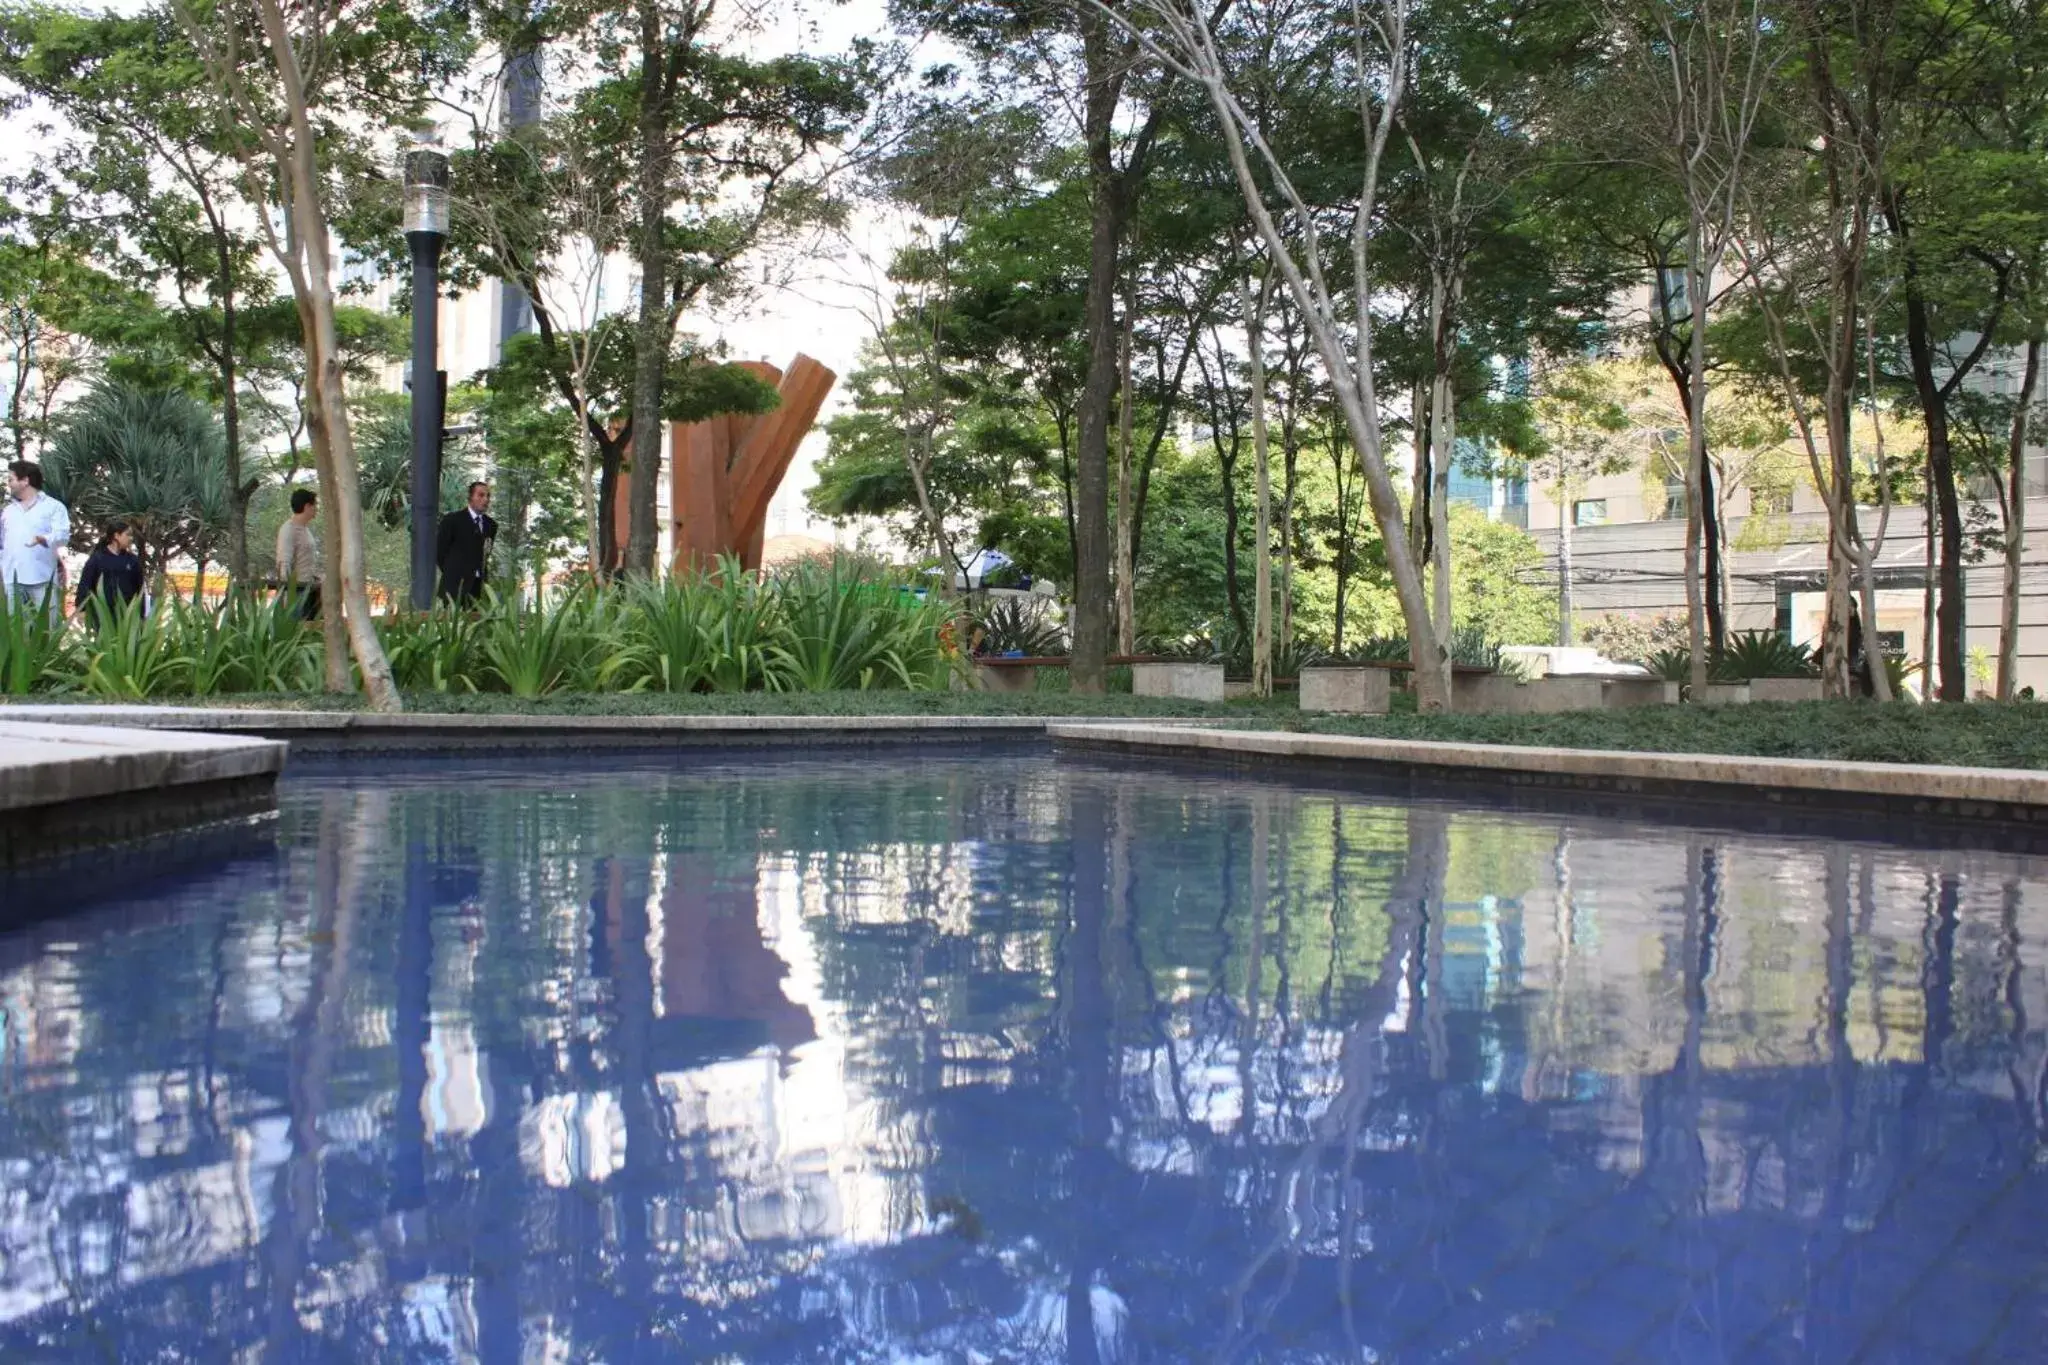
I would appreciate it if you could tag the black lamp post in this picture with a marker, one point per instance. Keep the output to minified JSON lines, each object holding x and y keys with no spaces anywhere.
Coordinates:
{"x":426,"y":228}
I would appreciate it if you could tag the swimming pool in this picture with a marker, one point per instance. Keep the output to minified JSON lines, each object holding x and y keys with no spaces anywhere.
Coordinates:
{"x":999,"y":1059}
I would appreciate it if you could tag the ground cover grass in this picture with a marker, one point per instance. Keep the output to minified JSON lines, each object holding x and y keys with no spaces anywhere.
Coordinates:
{"x":1980,"y":734}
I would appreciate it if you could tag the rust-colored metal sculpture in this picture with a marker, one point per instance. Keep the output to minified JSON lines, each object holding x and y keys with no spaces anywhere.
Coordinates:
{"x":724,"y":471}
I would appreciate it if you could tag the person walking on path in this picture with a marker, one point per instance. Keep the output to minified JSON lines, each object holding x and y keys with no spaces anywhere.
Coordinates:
{"x":462,"y":547}
{"x":34,"y":529}
{"x":298,"y":556}
{"x":112,"y":577}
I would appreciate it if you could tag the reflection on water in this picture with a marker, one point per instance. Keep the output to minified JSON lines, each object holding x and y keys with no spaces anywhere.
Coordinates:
{"x":1013,"y":1062}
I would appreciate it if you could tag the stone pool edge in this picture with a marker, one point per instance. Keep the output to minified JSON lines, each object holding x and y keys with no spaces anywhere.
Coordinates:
{"x":67,"y":789}
{"x":2003,"y":796}
{"x":315,"y":733}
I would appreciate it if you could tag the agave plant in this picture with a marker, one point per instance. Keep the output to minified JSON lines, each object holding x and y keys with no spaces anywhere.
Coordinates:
{"x":1380,"y":649}
{"x":1761,"y":654}
{"x":1671,"y":665}
{"x":703,"y":632}
{"x":1020,"y":626}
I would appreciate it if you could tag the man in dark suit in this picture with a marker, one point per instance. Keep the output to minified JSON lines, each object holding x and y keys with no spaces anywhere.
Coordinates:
{"x":462,"y":549}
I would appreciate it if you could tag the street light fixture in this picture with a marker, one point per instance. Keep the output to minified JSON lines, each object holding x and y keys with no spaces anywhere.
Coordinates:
{"x":426,"y":228}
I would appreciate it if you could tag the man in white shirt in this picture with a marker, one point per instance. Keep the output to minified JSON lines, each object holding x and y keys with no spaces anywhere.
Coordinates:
{"x":34,"y":529}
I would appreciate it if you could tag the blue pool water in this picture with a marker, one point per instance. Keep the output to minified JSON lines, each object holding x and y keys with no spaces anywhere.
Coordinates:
{"x":1007,"y":1061}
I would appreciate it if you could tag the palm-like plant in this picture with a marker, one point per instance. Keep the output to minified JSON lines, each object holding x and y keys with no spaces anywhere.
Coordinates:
{"x":155,"y":459}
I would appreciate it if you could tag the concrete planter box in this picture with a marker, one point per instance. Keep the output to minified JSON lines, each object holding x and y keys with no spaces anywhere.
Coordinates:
{"x":1674,"y":693}
{"x":1347,"y":691}
{"x":1725,"y":694}
{"x":1617,"y":693}
{"x":1784,"y":689}
{"x":1233,"y":688}
{"x":993,"y":679}
{"x":1498,"y":695}
{"x":1189,"y":682}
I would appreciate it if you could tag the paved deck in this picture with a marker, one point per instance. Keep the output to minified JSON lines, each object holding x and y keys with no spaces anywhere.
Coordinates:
{"x":69,"y":787}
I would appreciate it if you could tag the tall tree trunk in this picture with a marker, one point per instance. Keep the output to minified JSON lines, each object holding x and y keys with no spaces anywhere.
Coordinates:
{"x":1565,"y":610}
{"x":326,"y":396}
{"x":1126,"y":508}
{"x":1418,"y":475}
{"x":1928,"y":386}
{"x":2016,"y":524}
{"x":586,"y":449}
{"x":1699,"y":276}
{"x":1343,"y":541}
{"x":651,"y":329}
{"x":1929,"y":589}
{"x":1091,"y":484}
{"x":1442,"y":435}
{"x":1262,"y":575}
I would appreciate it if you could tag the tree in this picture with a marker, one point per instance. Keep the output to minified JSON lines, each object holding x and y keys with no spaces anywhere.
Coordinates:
{"x":152,"y":186}
{"x":1964,"y":201}
{"x":278,"y":81}
{"x":1353,"y":40}
{"x":717,"y":156}
{"x":1692,"y":84}
{"x":155,"y":460}
{"x":56,"y":311}
{"x":1582,"y":425}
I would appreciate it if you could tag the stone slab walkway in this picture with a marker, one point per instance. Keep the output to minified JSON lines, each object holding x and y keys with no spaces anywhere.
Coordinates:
{"x":69,"y":787}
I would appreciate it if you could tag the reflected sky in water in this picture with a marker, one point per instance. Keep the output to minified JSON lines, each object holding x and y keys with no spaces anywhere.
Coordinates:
{"x":1007,"y":1061}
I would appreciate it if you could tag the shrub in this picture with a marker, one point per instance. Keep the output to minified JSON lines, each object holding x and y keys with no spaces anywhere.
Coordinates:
{"x":131,"y":657}
{"x":1020,"y":625}
{"x":1761,"y":654}
{"x":1634,"y":639}
{"x":33,"y":650}
{"x":433,"y":651}
{"x":846,"y":631}
{"x":247,"y":645}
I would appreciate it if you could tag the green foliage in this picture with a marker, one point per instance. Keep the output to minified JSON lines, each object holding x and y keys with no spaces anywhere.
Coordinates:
{"x":578,"y":642}
{"x":247,"y":645}
{"x":1670,"y":664}
{"x":133,"y":657}
{"x":1019,"y":625}
{"x":32,"y":650}
{"x":1762,"y":654}
{"x":705,"y":632}
{"x":154,"y":459}
{"x":1981,"y":734}
{"x":842,"y":630}
{"x":434,"y":651}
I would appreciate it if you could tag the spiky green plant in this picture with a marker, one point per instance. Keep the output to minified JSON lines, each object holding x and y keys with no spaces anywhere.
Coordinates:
{"x":1761,"y":654}
{"x":433,"y":651}
{"x":34,"y":650}
{"x":131,"y":656}
{"x":842,"y":630}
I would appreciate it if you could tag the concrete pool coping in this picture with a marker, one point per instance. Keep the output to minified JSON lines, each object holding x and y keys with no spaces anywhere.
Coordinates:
{"x":67,"y":788}
{"x":2008,"y":796}
{"x":417,"y":732}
